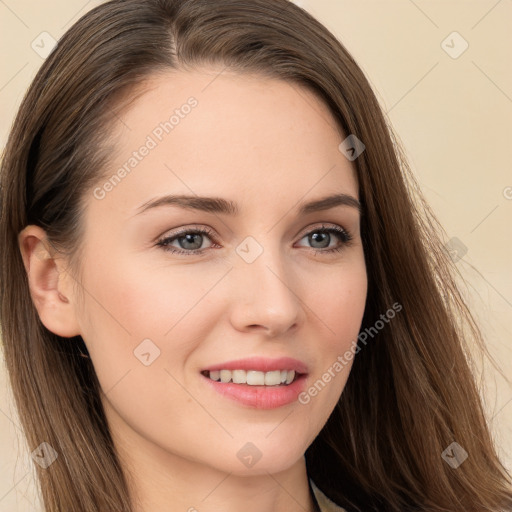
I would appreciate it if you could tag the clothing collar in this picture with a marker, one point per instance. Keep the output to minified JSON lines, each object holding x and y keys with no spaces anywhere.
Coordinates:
{"x":325,"y":504}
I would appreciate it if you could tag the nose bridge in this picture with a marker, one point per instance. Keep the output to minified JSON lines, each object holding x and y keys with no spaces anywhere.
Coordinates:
{"x":264,"y":286}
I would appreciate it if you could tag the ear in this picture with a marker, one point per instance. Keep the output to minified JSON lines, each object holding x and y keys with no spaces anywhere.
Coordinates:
{"x":50,"y":283}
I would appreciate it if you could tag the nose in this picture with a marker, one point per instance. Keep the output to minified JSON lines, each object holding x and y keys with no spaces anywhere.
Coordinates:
{"x":266,"y":295}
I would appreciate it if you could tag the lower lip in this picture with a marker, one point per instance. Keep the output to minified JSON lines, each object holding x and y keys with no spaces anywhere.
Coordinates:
{"x":260,"y":397}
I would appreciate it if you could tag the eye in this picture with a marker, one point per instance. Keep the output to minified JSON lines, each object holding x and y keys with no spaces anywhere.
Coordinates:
{"x":322,"y":237}
{"x":190,"y":240}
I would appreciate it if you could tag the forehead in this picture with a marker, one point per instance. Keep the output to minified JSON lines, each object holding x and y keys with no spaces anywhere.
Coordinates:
{"x":220,"y":133}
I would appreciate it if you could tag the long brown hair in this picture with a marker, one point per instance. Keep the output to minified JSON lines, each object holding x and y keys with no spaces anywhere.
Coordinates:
{"x":411,"y":392}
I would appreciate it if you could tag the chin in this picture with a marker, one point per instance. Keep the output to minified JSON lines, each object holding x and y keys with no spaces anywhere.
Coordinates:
{"x":259,"y":457}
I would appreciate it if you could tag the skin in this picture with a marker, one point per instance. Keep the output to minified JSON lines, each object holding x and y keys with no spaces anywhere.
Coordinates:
{"x":267,"y":145}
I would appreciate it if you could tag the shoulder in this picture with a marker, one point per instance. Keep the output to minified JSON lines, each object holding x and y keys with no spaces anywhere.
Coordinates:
{"x":326,"y":505}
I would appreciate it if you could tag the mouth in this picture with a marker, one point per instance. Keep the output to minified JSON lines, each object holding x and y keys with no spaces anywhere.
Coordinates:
{"x":272,"y":378}
{"x":258,"y":382}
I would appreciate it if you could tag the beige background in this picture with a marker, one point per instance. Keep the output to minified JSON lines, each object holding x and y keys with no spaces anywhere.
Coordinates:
{"x":453,"y":115}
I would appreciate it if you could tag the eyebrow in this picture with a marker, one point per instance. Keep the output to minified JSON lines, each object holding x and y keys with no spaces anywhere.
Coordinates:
{"x":227,"y":207}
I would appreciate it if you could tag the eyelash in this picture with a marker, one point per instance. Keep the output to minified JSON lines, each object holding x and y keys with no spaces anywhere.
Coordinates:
{"x":344,"y":235}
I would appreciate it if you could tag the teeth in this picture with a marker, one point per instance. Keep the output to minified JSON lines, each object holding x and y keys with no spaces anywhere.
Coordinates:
{"x":273,"y":378}
{"x":238,"y":376}
{"x":253,"y":377}
{"x":225,"y":375}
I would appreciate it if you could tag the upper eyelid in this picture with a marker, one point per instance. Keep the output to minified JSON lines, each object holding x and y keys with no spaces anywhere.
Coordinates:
{"x":211,"y":232}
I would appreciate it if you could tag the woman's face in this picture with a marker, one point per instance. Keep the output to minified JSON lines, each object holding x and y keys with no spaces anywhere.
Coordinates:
{"x":264,"y":284}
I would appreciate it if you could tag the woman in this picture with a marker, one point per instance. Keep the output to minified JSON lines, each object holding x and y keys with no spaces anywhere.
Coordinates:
{"x":247,"y":370}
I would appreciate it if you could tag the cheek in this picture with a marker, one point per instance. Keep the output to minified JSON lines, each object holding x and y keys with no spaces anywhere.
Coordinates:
{"x":137,"y":299}
{"x":339,"y":312}
{"x":338,"y":299}
{"x":141,"y":325}
{"x":133,"y":309}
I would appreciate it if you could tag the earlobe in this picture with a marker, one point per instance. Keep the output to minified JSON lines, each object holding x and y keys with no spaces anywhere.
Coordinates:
{"x":49,"y":283}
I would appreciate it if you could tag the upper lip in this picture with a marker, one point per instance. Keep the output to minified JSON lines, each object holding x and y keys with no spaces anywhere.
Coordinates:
{"x":262,"y":364}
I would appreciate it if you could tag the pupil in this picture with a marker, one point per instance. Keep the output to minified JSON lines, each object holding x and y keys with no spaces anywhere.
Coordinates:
{"x":188,"y":237}
{"x":317,"y":235}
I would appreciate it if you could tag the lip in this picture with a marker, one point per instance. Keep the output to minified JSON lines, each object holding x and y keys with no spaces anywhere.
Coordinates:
{"x":259,"y":397}
{"x":261,"y":364}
